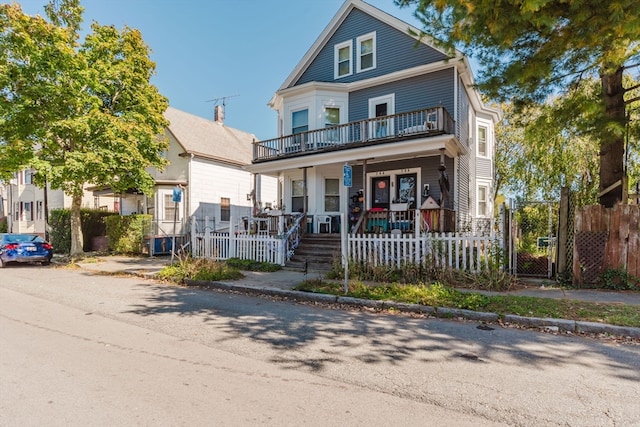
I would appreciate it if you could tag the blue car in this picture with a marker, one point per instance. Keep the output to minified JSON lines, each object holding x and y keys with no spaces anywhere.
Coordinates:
{"x":24,"y":248}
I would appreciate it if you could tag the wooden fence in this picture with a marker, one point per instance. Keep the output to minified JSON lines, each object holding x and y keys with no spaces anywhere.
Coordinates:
{"x":605,"y":238}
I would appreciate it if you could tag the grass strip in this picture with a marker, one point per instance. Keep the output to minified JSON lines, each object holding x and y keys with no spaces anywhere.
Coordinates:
{"x":438,"y":295}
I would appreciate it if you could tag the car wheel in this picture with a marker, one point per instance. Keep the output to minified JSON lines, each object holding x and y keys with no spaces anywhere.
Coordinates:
{"x":1,"y":263}
{"x":47,"y":262}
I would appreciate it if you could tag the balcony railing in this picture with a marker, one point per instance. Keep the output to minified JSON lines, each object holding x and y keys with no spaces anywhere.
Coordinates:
{"x":396,"y":127}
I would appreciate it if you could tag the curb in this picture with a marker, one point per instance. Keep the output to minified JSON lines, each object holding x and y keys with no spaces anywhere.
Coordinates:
{"x":440,"y":312}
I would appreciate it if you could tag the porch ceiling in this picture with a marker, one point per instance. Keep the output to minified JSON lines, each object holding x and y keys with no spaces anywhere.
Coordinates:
{"x":398,"y":150}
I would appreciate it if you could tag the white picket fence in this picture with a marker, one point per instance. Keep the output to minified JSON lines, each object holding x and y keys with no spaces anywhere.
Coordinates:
{"x":461,"y":251}
{"x":222,"y":246}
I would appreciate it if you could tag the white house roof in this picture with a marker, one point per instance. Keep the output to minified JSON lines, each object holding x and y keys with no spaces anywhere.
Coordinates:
{"x":210,"y":139}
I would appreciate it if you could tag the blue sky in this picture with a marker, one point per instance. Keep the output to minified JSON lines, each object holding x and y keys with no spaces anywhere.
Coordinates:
{"x":206,"y":49}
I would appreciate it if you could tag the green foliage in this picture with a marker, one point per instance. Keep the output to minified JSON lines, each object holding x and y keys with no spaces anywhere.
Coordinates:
{"x":4,"y":225}
{"x":528,"y":50}
{"x":93,"y":225}
{"x":250,"y":265}
{"x":199,"y":269}
{"x":619,"y":280}
{"x":126,"y":233}
{"x":439,"y":295}
{"x":77,"y":112}
{"x":60,"y":233}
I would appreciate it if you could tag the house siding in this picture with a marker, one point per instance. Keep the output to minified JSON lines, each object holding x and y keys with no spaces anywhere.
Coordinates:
{"x":215,"y":181}
{"x":483,"y":168}
{"x":395,"y":51}
{"x":414,"y":93}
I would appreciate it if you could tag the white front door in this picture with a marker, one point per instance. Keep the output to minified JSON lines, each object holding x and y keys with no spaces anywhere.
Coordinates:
{"x":381,"y":106}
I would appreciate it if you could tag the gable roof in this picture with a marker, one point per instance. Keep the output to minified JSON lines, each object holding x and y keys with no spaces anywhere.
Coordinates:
{"x":335,"y":23}
{"x":459,"y":61}
{"x":209,"y":139}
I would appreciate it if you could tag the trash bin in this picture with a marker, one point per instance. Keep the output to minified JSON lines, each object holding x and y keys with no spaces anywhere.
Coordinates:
{"x":309,"y":224}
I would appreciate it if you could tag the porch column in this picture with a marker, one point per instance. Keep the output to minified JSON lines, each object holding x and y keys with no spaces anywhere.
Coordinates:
{"x":364,"y":186}
{"x":304,"y":191}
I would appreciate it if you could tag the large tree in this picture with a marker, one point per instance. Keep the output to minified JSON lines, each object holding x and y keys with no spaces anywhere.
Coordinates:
{"x":531,"y":48}
{"x":80,"y":112}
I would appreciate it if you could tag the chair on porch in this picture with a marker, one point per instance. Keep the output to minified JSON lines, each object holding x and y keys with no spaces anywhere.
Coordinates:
{"x":326,"y":222}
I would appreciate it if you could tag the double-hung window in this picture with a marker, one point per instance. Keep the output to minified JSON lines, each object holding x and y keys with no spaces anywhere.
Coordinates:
{"x":27,"y":211}
{"x":299,"y":121}
{"x":331,"y":195}
{"x":331,"y":119}
{"x":225,"y":209}
{"x":366,"y":55}
{"x":297,"y":195}
{"x":482,"y":141}
{"x":170,"y":208}
{"x":483,"y":201}
{"x":343,"y":65}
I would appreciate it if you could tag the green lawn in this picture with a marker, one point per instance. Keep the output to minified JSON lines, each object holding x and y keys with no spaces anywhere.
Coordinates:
{"x":437,"y":295}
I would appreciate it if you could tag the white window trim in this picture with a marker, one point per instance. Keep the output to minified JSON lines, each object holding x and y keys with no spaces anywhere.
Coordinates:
{"x":488,"y":201}
{"x":393,"y":177}
{"x":359,"y":41}
{"x":336,"y":59}
{"x":324,"y":194}
{"x":487,"y":154}
{"x":390,"y":100}
{"x":163,"y":195}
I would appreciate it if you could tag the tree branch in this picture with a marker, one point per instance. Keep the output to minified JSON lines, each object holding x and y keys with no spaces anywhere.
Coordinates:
{"x":629,"y":101}
{"x":632,"y":88}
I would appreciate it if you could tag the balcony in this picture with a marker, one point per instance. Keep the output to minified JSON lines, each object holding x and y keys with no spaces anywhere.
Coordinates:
{"x":379,"y":130}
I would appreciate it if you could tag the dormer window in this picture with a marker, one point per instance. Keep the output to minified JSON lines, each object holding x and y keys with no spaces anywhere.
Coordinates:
{"x":366,"y":46}
{"x":343,"y":64}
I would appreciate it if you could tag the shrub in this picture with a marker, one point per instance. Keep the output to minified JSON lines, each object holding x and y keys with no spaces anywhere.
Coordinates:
{"x":3,"y":225}
{"x":199,"y":269}
{"x":60,"y":233}
{"x":126,"y":233}
{"x":619,"y":280}
{"x":250,"y":265}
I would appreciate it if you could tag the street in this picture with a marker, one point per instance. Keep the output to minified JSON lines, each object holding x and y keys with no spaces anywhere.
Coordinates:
{"x":79,"y":349}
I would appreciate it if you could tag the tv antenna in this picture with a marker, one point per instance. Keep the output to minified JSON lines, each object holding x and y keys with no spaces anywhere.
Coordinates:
{"x":219,"y":115}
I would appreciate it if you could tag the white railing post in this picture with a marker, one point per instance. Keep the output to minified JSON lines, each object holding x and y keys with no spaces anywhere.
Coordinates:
{"x":194,"y":238}
{"x":233,"y":240}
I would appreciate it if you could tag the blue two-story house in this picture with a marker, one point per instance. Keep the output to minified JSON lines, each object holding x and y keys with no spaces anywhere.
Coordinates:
{"x":399,"y":112}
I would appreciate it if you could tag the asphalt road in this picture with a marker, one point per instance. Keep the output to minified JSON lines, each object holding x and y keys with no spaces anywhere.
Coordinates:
{"x":78,"y":349}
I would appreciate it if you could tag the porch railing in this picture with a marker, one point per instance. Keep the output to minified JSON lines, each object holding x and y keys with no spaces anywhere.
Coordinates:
{"x":413,"y":124}
{"x":404,"y":221}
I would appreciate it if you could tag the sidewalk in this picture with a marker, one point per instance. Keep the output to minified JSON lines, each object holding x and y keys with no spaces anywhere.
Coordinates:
{"x":282,"y":283}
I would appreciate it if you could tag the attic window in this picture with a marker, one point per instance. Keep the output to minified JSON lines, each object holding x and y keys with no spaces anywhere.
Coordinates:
{"x":366,"y":45}
{"x":343,"y":64}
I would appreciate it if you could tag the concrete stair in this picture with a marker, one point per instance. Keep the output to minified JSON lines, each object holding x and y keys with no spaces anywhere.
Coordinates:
{"x":317,"y":251}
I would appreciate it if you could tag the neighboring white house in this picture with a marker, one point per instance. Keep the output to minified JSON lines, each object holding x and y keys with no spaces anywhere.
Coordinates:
{"x":206,"y":162}
{"x":208,"y":159}
{"x":399,"y":112}
{"x":24,"y":203}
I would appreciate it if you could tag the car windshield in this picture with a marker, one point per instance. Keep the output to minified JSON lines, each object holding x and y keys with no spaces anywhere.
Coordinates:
{"x":23,"y":238}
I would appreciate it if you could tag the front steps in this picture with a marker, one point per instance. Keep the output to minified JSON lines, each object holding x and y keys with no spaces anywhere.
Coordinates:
{"x":317,"y":251}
